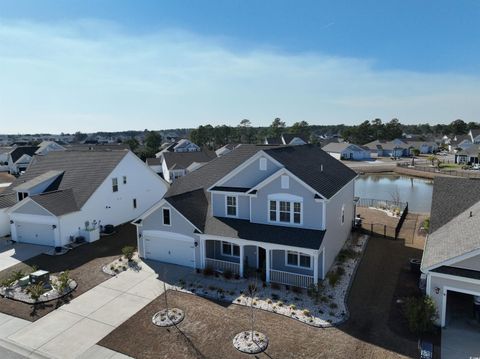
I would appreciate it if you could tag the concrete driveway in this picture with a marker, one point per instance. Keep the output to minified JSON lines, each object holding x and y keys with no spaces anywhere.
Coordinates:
{"x":11,"y":254}
{"x":73,"y":330}
{"x":461,"y":339}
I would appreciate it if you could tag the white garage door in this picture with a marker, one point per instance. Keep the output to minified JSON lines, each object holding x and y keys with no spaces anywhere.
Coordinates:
{"x":169,"y":248}
{"x":35,"y":233}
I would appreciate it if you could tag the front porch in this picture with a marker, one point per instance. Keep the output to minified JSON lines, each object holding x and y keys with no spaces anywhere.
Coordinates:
{"x":293,"y":266}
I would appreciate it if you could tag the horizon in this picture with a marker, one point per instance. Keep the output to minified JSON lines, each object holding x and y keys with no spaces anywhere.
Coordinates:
{"x":89,"y":67}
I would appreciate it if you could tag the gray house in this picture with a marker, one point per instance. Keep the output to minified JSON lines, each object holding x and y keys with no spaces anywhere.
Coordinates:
{"x":347,"y":151}
{"x":451,"y":258}
{"x":284,"y":210}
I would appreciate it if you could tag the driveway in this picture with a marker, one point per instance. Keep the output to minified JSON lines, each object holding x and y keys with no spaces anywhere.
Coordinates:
{"x":461,"y":339}
{"x":12,"y":254}
{"x":72,"y":330}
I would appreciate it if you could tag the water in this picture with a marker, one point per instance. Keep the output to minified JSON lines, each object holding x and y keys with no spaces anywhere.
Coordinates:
{"x":416,"y":191}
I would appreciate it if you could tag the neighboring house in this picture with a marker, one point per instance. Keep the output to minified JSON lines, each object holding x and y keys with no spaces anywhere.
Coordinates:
{"x":460,"y":142}
{"x":98,"y":147}
{"x":19,"y":158}
{"x":475,"y":136}
{"x":48,"y":146}
{"x":424,"y":147}
{"x":451,"y":258}
{"x":180,"y":146}
{"x":66,"y":194}
{"x":395,"y":148}
{"x":347,"y":151}
{"x":4,"y":151}
{"x":155,"y":164}
{"x":178,"y":164}
{"x":468,"y":155}
{"x":286,"y":211}
{"x":325,"y":141}
{"x":285,"y":139}
{"x":226,"y":149}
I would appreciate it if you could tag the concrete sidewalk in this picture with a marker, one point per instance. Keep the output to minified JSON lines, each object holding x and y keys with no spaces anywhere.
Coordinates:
{"x":73,"y":330}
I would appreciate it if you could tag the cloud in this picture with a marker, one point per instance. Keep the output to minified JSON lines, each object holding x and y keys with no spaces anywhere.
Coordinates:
{"x":91,"y":75}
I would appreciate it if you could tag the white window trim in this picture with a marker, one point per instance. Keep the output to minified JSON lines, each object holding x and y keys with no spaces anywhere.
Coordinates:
{"x":298,"y":260}
{"x":170,"y":216}
{"x":236,"y":206}
{"x":231,"y":249}
{"x":277,"y":209}
{"x":263,"y":164}
{"x":285,"y":181}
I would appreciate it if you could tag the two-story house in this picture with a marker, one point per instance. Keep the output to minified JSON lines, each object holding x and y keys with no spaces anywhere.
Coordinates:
{"x":286,"y":211}
{"x":67,"y":194}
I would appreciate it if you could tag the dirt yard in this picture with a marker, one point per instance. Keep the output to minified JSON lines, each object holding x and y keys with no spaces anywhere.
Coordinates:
{"x":376,"y":328}
{"x":84,"y":263}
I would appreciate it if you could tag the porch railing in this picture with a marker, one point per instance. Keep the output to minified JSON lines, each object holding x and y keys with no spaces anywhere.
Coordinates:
{"x":223,"y":266}
{"x":297,"y":280}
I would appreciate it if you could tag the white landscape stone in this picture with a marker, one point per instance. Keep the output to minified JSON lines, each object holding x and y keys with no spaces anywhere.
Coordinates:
{"x":251,"y":344}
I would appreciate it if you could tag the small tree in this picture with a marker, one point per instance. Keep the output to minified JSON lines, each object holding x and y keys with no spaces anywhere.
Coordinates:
{"x":36,"y":291}
{"x":421,"y":314}
{"x":251,"y":292}
{"x":63,"y":281}
{"x":128,"y":252}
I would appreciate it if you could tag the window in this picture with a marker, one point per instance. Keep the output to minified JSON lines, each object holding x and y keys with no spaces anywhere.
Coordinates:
{"x":285,"y":182}
{"x":231,"y":206}
{"x":285,"y":211}
{"x":263,"y":164}
{"x":166,"y":216}
{"x":124,"y":179}
{"x":343,"y":214}
{"x":296,"y":259}
{"x":22,"y":195}
{"x":273,"y":211}
{"x":134,"y":203}
{"x":115,"y":184}
{"x":229,"y":249}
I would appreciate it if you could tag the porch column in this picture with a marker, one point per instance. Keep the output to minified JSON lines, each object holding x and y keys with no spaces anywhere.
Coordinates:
{"x":267,"y":265}
{"x":315,"y":269}
{"x":204,"y":245}
{"x":241,"y":260}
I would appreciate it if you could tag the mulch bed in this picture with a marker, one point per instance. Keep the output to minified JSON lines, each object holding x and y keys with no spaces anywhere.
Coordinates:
{"x":84,"y":263}
{"x":209,"y":327}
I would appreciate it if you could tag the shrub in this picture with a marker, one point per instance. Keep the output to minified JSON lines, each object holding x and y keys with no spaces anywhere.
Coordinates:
{"x":208,"y":271}
{"x":297,"y":290}
{"x":426,"y":224}
{"x":333,"y":305}
{"x":275,"y":296}
{"x":421,"y":314}
{"x":306,"y":312}
{"x":35,"y":291}
{"x":345,"y":254}
{"x":17,"y":275}
{"x":63,"y":280}
{"x":7,"y":282}
{"x":280,"y":303}
{"x":293,"y":306}
{"x":124,"y":268}
{"x":340,"y":271}
{"x":33,"y":268}
{"x":212,"y":287}
{"x":228,"y":274}
{"x":112,"y":267}
{"x":314,"y":291}
{"x":333,"y":278}
{"x":269,"y":301}
{"x":236,"y":276}
{"x":128,"y":252}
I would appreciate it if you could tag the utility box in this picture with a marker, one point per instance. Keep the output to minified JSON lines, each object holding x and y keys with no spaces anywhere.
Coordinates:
{"x":40,"y":276}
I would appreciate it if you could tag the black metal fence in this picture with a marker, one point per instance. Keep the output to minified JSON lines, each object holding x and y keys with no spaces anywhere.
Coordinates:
{"x":382,"y":204}
{"x":430,"y":169}
{"x":400,"y":222}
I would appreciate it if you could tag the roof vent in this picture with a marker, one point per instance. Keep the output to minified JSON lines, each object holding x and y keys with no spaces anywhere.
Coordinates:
{"x":321,"y":168}
{"x":471,"y":214}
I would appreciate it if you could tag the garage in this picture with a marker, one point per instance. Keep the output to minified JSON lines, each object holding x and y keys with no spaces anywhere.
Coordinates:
{"x":35,"y":233}
{"x":169,"y":248}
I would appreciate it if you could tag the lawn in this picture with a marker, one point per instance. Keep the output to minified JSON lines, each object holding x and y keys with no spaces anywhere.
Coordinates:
{"x":376,"y":328}
{"x":84,"y":263}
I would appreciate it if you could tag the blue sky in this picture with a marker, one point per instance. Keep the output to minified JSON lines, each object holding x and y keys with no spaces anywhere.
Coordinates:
{"x":112,"y":64}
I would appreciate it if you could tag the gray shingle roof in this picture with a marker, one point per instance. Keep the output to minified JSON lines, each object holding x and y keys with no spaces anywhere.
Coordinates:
{"x":453,"y":232}
{"x":22,"y":150}
{"x":25,"y":186}
{"x":181,"y":160}
{"x":84,"y":172}
{"x":58,"y":202}
{"x":156,"y":161}
{"x":338,"y":147}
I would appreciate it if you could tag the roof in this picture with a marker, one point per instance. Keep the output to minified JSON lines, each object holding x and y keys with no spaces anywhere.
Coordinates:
{"x":338,"y":147}
{"x":22,"y":150}
{"x":273,"y":141}
{"x":83,"y":173}
{"x":459,"y":272}
{"x":387,"y":145}
{"x":155,"y":161}
{"x":25,"y":186}
{"x":472,"y":151}
{"x":98,"y":147}
{"x":455,"y":220}
{"x":58,"y":202}
{"x":475,"y":132}
{"x":181,"y":160}
{"x":304,"y":162}
{"x":188,"y":194}
{"x":5,"y":149}
{"x":288,"y":137}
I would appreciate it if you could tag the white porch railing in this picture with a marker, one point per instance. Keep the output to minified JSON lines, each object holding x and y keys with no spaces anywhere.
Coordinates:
{"x":219,"y":265}
{"x":297,"y":280}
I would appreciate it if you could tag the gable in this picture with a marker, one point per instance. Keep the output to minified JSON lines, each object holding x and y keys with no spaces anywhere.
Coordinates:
{"x":472,"y":263}
{"x":31,"y":207}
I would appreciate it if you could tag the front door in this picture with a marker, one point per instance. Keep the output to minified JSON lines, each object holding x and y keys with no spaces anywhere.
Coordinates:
{"x":262,"y":261}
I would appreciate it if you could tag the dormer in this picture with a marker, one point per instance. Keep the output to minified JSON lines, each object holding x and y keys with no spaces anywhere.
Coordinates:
{"x":37,"y":184}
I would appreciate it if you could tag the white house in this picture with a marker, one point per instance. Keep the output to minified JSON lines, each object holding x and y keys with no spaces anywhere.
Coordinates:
{"x":286,"y":211}
{"x":347,"y":151}
{"x":155,"y":164}
{"x":4,"y":152}
{"x":19,"y":158}
{"x":66,"y":194}
{"x":451,"y":258}
{"x":178,"y":164}
{"x":285,"y":139}
{"x":180,"y":146}
{"x":48,"y":146}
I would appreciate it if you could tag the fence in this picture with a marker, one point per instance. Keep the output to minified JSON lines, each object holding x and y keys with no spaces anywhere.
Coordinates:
{"x":430,"y":169}
{"x":382,"y":204}
{"x":400,"y":222}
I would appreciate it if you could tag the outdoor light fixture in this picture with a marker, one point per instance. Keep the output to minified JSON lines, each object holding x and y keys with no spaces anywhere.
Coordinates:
{"x":437,"y":290}
{"x":54,"y":226}
{"x":11,"y":222}
{"x":196,"y":244}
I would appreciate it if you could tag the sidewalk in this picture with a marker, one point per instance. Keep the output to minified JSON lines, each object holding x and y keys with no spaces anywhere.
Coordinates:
{"x":73,"y":330}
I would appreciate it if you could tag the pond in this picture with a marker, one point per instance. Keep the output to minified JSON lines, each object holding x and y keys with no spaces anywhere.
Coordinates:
{"x":416,"y":191}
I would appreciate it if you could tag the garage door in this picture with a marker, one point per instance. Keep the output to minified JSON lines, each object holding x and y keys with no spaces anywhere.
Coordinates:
{"x":35,"y":233}
{"x":169,"y":248}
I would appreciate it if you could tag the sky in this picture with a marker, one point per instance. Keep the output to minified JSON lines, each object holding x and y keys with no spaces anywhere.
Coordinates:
{"x":108,"y":65}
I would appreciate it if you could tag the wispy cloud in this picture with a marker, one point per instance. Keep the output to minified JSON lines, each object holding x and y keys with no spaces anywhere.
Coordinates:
{"x":89,"y":75}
